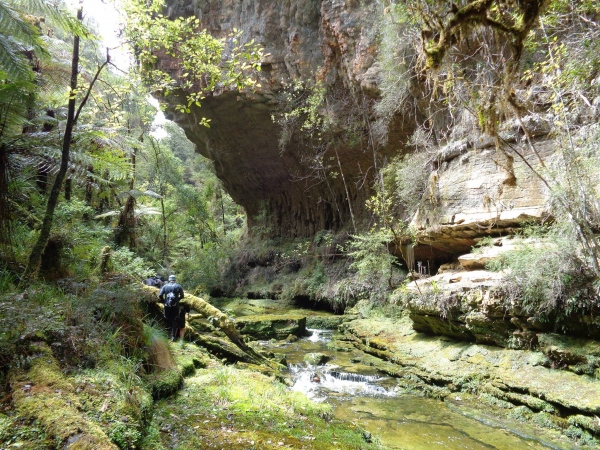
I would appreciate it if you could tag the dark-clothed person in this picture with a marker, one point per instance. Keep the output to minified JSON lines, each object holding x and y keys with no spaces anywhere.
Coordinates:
{"x":170,"y":295}
{"x":154,"y":281}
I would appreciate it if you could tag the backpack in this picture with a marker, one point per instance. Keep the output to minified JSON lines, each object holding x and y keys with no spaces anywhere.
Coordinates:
{"x":171,"y":300}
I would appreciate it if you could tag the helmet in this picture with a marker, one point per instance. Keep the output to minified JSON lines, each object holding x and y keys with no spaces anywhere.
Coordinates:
{"x":171,"y":277}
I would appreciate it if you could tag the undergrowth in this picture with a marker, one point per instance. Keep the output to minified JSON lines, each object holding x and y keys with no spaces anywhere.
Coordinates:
{"x":546,"y":276}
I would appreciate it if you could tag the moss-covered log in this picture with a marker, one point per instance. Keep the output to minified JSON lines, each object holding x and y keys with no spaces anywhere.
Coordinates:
{"x":221,"y":321}
{"x":45,"y":395}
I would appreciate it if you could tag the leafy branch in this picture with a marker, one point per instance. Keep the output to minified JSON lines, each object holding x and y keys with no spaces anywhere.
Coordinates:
{"x":198,"y":62}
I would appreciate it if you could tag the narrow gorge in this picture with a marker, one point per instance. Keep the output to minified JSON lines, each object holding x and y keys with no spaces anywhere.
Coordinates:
{"x":346,"y":88}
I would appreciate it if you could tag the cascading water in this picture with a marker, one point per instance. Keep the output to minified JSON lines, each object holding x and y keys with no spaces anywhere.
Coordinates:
{"x":359,"y":394}
{"x":317,"y":382}
{"x":319,"y":335}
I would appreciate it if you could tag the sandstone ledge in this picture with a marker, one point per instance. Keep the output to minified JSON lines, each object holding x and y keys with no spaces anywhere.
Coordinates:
{"x":469,"y":305}
{"x":516,"y":379}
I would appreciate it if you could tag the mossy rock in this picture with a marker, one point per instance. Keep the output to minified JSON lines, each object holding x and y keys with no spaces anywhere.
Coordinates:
{"x":189,"y":356}
{"x":221,"y":348}
{"x":315,"y":358}
{"x":187,"y":366}
{"x":339,"y":346}
{"x":165,"y":383}
{"x":271,"y":327}
{"x":580,"y":354}
{"x":327,"y":322}
{"x":200,"y":323}
{"x":591,"y":424}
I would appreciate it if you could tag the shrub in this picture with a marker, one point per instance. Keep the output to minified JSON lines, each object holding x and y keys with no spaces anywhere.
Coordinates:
{"x":126,"y":262}
{"x":376,"y":268}
{"x":406,"y":177}
{"x":546,"y":276}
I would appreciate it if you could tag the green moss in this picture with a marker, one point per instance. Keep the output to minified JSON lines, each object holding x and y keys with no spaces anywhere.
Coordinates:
{"x":15,"y":433}
{"x":434,"y":56}
{"x":125,"y":435}
{"x":46,"y":396}
{"x":272,"y":326}
{"x":590,"y":423}
{"x":545,"y":420}
{"x":326,"y":322}
{"x":61,"y":418}
{"x":165,"y":383}
{"x":521,"y":413}
{"x":98,"y":408}
{"x":252,"y":410}
{"x":187,"y":365}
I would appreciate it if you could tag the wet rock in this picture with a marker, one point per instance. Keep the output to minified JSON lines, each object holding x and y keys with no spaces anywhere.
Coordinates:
{"x":515,"y":381}
{"x":291,"y":338}
{"x":315,"y":359}
{"x":271,"y":326}
{"x":327,"y":322}
{"x":581,"y":355}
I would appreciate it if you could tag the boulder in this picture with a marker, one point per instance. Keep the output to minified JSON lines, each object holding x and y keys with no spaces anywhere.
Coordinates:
{"x":314,"y":359}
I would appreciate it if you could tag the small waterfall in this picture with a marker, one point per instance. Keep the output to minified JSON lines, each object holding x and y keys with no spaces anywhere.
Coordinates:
{"x":318,"y":381}
{"x":319,"y":335}
{"x":354,"y":377}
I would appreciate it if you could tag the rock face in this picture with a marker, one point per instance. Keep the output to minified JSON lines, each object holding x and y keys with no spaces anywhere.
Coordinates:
{"x":309,"y":184}
{"x":518,"y":383}
{"x":469,"y":305}
{"x":305,"y":186}
{"x":469,"y":196}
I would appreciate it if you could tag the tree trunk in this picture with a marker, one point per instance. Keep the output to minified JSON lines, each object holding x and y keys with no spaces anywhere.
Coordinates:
{"x":35,"y":257}
{"x":164,"y":225}
{"x":68,"y":189}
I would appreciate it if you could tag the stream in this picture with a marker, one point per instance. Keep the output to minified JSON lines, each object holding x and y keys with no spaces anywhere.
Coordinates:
{"x":361,"y":395}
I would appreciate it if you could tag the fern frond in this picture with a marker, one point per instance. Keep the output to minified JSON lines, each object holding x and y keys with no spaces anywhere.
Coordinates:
{"x":12,"y":61}
{"x":14,"y":25}
{"x":15,"y":99}
{"x":55,"y":13}
{"x":107,"y":214}
{"x":143,"y":210}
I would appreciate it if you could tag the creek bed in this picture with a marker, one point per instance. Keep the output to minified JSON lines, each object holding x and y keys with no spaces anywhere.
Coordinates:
{"x":362,"y":395}
{"x":398,"y":419}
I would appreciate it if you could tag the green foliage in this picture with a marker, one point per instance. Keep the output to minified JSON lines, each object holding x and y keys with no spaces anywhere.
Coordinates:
{"x":482,"y":244}
{"x":393,"y":56}
{"x":376,"y":268}
{"x":202,"y":266}
{"x":405,"y":177}
{"x":372,"y":260}
{"x":204,"y":63}
{"x":304,"y":110}
{"x":546,"y":276}
{"x":263,"y":408}
{"x":7,"y":282}
{"x":127,"y":262}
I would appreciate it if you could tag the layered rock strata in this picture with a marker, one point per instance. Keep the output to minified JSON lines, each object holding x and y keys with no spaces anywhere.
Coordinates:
{"x":309,"y":185}
{"x":513,"y":382}
{"x":466,"y":302}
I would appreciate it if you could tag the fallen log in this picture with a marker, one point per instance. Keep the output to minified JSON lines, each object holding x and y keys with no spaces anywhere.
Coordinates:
{"x":221,"y":321}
